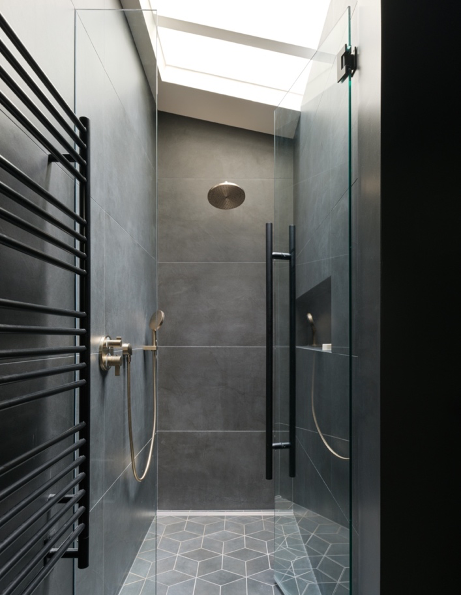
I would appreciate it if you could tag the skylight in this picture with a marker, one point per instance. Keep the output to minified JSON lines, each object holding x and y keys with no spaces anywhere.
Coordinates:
{"x":255,"y":51}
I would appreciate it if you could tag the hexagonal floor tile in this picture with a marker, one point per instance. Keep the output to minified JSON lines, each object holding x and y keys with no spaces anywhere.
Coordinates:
{"x":221,"y":577}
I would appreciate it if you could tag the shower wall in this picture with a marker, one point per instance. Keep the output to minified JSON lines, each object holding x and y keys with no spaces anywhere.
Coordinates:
{"x":112,"y":91}
{"x":212,"y":289}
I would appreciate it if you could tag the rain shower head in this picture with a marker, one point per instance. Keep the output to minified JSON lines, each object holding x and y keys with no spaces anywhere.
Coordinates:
{"x":156,"y":320}
{"x":226,"y":195}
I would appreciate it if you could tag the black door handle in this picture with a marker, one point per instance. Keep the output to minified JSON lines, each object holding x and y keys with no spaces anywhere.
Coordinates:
{"x":270,"y":256}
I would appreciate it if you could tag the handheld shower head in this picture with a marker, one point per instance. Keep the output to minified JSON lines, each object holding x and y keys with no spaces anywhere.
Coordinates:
{"x":156,"y":320}
{"x":309,"y":316}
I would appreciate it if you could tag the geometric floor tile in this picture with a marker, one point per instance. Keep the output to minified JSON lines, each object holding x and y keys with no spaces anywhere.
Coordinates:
{"x":228,"y":553}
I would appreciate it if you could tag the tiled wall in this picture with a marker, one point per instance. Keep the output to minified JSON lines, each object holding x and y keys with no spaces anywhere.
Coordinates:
{"x":112,"y":91}
{"x":212,"y":289}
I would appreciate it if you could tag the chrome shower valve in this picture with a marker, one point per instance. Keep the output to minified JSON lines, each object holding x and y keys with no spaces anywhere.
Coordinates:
{"x":107,"y":360}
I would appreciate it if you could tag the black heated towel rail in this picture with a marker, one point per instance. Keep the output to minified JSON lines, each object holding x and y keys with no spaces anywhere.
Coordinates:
{"x":45,"y":506}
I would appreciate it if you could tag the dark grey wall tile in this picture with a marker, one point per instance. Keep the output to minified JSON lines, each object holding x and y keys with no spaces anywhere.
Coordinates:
{"x":213,"y":470}
{"x":130,"y":293}
{"x":209,"y":304}
{"x":91,"y":580}
{"x":125,"y":184}
{"x":322,"y":479}
{"x":119,"y":103}
{"x":116,"y":440}
{"x":124,"y":526}
{"x":98,"y":287}
{"x":340,"y":304}
{"x":193,"y":230}
{"x":194,"y":149}
{"x":330,"y":390}
{"x":212,"y":389}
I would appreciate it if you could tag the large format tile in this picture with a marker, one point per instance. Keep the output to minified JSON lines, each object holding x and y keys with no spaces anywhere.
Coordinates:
{"x":125,"y":180}
{"x":323,"y":380}
{"x":212,"y":304}
{"x":196,"y":149}
{"x":230,"y":396}
{"x":125,"y":527}
{"x":215,"y":467}
{"x":193,"y":230}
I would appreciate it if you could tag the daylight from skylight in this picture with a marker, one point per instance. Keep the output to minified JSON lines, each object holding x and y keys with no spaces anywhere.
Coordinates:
{"x":235,"y":66}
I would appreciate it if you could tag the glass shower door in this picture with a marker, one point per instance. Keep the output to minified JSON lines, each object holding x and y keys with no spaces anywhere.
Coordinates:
{"x":313,"y":194}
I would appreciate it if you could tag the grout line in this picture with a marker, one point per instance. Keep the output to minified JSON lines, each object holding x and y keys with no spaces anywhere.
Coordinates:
{"x":210,"y":431}
{"x":211,"y":262}
{"x":261,"y":347}
{"x":120,"y":475}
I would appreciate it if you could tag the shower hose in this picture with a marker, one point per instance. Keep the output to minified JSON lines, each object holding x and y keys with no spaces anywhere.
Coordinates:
{"x":130,"y":429}
{"x":316,"y":421}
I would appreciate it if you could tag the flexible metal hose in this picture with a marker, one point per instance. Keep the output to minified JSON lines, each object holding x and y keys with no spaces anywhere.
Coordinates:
{"x":130,"y":429}
{"x":315,"y":419}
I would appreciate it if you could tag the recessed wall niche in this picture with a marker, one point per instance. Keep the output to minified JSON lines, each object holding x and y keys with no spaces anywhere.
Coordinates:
{"x":316,"y":301}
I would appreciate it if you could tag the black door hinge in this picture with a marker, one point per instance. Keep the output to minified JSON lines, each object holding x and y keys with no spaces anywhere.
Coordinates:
{"x":346,"y":63}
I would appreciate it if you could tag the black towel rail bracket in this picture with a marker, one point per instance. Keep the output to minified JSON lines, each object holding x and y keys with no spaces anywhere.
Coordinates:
{"x":38,"y":545}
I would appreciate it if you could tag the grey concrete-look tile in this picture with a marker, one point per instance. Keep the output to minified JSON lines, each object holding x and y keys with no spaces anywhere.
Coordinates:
{"x":256,"y":587}
{"x":208,"y":304}
{"x":163,"y":565}
{"x":211,"y":529}
{"x":204,"y":587}
{"x":229,"y":397}
{"x":207,"y":233}
{"x":133,"y":588}
{"x":209,"y":565}
{"x":214,"y":545}
{"x":186,"y":587}
{"x":234,"y":565}
{"x":234,"y":544}
{"x":140,"y":567}
{"x":237,"y":587}
{"x":151,"y":588}
{"x":185,"y":565}
{"x":214,"y":467}
{"x":221,"y":577}
{"x":169,"y":545}
{"x":245,"y":554}
{"x":174,"y":528}
{"x":195,"y":528}
{"x":257,"y":564}
{"x":169,"y":578}
{"x":181,"y":536}
{"x":187,"y":143}
{"x":266,"y":576}
{"x":201,"y":554}
{"x":189,"y":545}
{"x":255,"y":544}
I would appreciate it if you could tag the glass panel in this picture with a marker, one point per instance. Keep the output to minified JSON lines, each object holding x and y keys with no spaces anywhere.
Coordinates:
{"x":118,"y":94}
{"x":312,"y":192}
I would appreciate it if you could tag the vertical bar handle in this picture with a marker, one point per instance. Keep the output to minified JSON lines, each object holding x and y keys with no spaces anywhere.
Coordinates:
{"x":292,"y":352}
{"x":269,"y":351}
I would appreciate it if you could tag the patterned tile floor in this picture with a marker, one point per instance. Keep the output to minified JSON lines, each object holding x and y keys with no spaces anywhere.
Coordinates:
{"x":204,"y":553}
{"x":311,"y":552}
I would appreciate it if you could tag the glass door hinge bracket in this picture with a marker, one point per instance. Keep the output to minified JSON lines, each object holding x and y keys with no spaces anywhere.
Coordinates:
{"x":346,"y":63}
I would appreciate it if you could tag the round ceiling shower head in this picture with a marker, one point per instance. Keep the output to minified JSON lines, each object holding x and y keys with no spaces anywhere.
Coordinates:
{"x":156,"y":320}
{"x":226,"y":195}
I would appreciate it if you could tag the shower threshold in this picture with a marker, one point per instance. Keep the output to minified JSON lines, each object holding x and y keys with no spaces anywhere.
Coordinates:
{"x":206,"y":552}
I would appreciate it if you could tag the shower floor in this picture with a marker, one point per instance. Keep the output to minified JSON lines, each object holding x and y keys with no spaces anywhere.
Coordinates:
{"x":206,"y":552}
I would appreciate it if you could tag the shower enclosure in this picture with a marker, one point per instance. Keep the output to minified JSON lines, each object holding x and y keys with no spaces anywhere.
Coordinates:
{"x":312,"y":335}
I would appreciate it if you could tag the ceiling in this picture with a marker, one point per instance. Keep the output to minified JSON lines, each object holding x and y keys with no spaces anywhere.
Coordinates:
{"x":232,"y":63}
